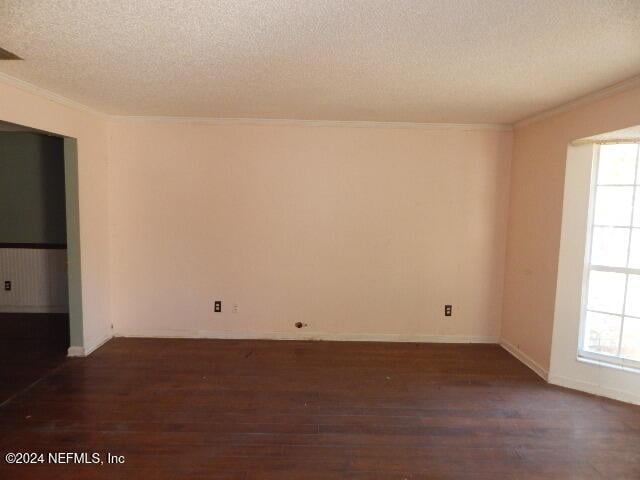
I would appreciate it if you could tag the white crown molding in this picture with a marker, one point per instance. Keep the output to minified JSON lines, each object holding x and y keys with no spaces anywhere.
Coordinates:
{"x":309,"y":123}
{"x":42,"y":92}
{"x":48,"y":94}
{"x":60,"y":99}
{"x":584,"y":100}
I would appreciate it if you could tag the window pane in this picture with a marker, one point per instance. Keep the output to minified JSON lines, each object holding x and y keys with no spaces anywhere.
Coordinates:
{"x":606,"y":291}
{"x":633,"y":296}
{"x":617,"y":164}
{"x":609,"y":246}
{"x":613,"y":206}
{"x":636,"y":208}
{"x":631,"y":339}
{"x":602,"y":333}
{"x":634,"y":256}
{"x":615,"y":245}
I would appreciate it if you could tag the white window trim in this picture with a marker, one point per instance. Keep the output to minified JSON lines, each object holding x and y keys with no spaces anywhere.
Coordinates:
{"x":601,"y":358}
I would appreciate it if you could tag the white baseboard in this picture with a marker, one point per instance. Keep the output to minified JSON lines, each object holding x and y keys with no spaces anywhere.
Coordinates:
{"x":96,"y":345}
{"x":86,"y":351}
{"x":524,"y":358}
{"x":341,"y":337}
{"x":595,"y":389}
{"x":621,"y":395}
{"x":75,"y":352}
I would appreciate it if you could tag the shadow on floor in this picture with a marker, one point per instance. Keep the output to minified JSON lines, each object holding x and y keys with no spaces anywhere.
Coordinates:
{"x":31,"y":344}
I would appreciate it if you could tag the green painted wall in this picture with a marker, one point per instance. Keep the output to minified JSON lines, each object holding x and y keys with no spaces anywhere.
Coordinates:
{"x":73,"y":243}
{"x":32,"y":188}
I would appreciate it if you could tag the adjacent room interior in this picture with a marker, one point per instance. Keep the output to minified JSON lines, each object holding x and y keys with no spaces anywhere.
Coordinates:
{"x":34,"y":306}
{"x":320,"y":240}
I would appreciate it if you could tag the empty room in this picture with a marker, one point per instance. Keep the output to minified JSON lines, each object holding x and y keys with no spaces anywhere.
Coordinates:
{"x":320,"y":239}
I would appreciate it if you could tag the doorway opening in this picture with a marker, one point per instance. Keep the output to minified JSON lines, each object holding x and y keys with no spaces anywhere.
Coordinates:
{"x":40,"y":308}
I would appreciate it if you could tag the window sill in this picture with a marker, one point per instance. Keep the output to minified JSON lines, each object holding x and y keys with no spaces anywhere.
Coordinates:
{"x":603,"y":363}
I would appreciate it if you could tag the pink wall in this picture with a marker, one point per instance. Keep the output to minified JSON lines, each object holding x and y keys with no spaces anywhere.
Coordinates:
{"x":360,"y":232}
{"x":535,"y":214}
{"x":18,"y":104}
{"x":363,"y":233}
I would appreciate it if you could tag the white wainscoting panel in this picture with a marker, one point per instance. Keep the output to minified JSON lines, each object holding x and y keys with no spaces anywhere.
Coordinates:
{"x":38,"y":280}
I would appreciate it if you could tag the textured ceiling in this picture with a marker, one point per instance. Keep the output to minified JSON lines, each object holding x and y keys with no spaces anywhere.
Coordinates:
{"x":489,"y":61}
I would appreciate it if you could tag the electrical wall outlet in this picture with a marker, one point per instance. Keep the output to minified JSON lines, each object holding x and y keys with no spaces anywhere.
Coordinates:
{"x":235,"y":308}
{"x":448,"y":310}
{"x":7,"y":285}
{"x":217,"y":306}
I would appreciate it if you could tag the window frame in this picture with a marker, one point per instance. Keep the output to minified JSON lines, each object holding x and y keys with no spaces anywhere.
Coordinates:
{"x":608,"y":360}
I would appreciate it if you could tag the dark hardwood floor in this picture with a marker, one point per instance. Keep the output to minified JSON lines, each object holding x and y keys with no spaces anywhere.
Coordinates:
{"x":31,"y":345}
{"x":213,"y":409}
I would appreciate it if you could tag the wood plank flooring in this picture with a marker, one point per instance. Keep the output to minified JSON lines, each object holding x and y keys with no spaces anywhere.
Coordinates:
{"x":246,"y":410}
{"x":31,"y":344}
